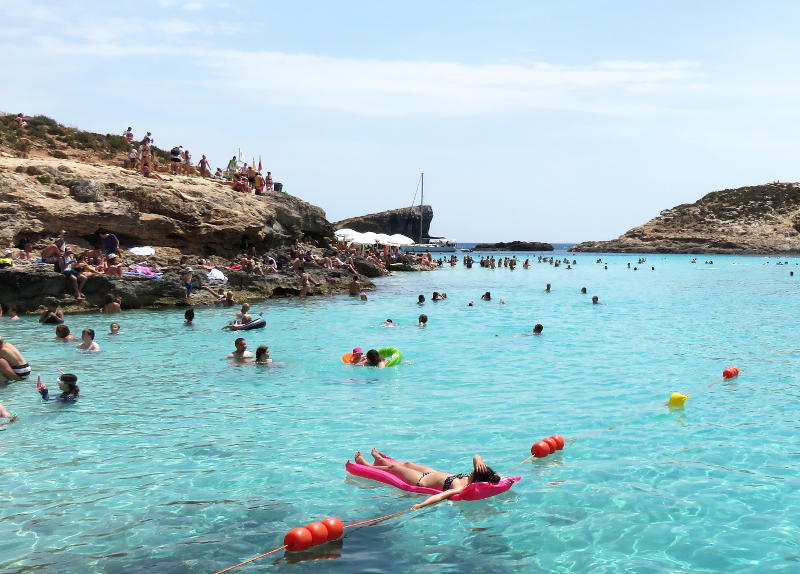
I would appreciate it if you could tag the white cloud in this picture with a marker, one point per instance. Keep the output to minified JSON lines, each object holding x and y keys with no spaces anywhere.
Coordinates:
{"x":380,"y":87}
{"x":194,"y":6}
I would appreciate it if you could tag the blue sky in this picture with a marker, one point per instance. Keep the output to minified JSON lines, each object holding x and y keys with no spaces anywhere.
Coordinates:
{"x":544,"y":121}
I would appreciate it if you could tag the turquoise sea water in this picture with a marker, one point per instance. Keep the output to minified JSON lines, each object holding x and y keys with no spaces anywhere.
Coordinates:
{"x":175,"y":461}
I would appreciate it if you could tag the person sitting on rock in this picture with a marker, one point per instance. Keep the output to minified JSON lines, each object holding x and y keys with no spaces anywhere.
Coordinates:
{"x":52,"y":252}
{"x":74,"y":275}
{"x":113,"y":266}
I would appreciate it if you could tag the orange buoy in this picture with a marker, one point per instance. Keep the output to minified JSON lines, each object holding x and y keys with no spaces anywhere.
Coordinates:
{"x":559,"y":441}
{"x":540,"y":449}
{"x":730,"y":373}
{"x":319,"y":532}
{"x":334,"y":526}
{"x":552,"y":443}
{"x":297,"y":539}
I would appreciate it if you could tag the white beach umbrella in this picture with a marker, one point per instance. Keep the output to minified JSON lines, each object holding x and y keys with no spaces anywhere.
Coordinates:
{"x":368,"y":237}
{"x":399,"y":239}
{"x":384,"y":239}
{"x":346,"y":234}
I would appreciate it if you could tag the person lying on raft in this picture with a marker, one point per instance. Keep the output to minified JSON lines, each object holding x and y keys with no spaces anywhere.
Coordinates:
{"x":245,"y":319}
{"x":449,"y":484}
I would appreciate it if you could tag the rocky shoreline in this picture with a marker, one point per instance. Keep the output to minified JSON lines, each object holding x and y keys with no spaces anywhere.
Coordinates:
{"x":27,"y":286}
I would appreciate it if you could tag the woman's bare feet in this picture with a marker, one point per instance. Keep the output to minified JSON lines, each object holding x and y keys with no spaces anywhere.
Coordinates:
{"x":359,"y":458}
{"x":379,"y":460}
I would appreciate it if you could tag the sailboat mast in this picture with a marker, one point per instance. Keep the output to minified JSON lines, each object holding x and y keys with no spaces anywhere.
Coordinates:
{"x":421,"y":203}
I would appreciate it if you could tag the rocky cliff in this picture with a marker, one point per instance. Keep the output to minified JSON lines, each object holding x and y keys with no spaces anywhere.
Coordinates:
{"x":41,"y":196}
{"x":405,"y":221}
{"x":754,"y":219}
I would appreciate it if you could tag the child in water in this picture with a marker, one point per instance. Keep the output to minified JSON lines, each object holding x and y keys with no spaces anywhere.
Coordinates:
{"x":67,"y":383}
{"x":114,"y":328}
{"x":262,"y":355}
{"x":63,"y":334}
{"x":87,"y":341}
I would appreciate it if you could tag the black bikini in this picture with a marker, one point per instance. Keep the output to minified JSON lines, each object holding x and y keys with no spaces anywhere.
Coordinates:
{"x":423,"y":475}
{"x":448,"y":482}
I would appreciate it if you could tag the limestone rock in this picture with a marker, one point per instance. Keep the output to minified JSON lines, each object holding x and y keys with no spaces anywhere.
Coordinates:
{"x":753,"y":219}
{"x":198,"y":216}
{"x":405,"y":221}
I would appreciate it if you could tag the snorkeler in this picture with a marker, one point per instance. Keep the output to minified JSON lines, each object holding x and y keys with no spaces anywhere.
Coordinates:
{"x":67,"y":383}
{"x":426,"y":476}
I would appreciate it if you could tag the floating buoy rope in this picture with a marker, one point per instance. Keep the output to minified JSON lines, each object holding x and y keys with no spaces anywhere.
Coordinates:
{"x":331,"y":528}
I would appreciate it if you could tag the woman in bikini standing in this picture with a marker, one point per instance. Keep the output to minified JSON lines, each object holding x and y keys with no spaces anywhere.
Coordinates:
{"x":426,"y":476}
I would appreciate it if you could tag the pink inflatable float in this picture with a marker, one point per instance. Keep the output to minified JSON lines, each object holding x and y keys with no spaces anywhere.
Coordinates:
{"x":474,"y":491}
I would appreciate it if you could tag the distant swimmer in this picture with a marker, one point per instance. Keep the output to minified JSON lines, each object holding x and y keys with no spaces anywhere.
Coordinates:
{"x":354,"y":287}
{"x":389,"y":323}
{"x":547,"y":288}
{"x":188,"y":317}
{"x":595,"y":300}
{"x":241,"y":354}
{"x":63,"y":334}
{"x":358,"y":356}
{"x":114,"y":328}
{"x":374,"y":359}
{"x":486,"y":296}
{"x":52,"y":313}
{"x":262,"y":355}
{"x":423,"y":320}
{"x":583,"y":290}
{"x":87,"y":341}
{"x":363,"y":297}
{"x":538,"y":328}
{"x":421,"y":300}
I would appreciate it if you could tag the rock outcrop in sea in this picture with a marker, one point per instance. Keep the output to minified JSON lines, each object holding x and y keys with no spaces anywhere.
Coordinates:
{"x":514,"y":246}
{"x":405,"y":221}
{"x":754,"y":219}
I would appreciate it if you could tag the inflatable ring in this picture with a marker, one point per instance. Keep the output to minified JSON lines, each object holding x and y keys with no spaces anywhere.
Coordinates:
{"x":347,"y":358}
{"x":259,"y":323}
{"x":392,"y":355}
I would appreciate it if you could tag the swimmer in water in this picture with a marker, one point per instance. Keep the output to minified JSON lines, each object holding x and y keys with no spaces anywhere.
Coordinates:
{"x":363,"y":297}
{"x":87,"y":341}
{"x":240,"y":354}
{"x":374,"y":359}
{"x":113,"y":328}
{"x":421,"y":300}
{"x":547,"y":288}
{"x":63,"y":334}
{"x":595,"y":300}
{"x":486,"y":296}
{"x":12,"y":314}
{"x":68,"y":384}
{"x":358,"y":357}
{"x":188,"y":317}
{"x":388,"y":323}
{"x":262,"y":355}
{"x":538,"y":328}
{"x":423,"y":320}
{"x":583,"y":290}
{"x":428,"y":477}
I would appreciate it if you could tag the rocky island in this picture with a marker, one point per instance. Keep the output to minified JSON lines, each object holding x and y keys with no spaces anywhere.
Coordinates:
{"x":514,"y":246}
{"x":746,"y":220}
{"x":413,"y":222}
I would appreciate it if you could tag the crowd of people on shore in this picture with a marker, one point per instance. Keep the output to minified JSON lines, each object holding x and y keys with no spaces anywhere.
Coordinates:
{"x":243,"y":178}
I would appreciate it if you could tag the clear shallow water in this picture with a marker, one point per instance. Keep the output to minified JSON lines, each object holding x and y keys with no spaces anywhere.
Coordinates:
{"x":175,"y":461}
